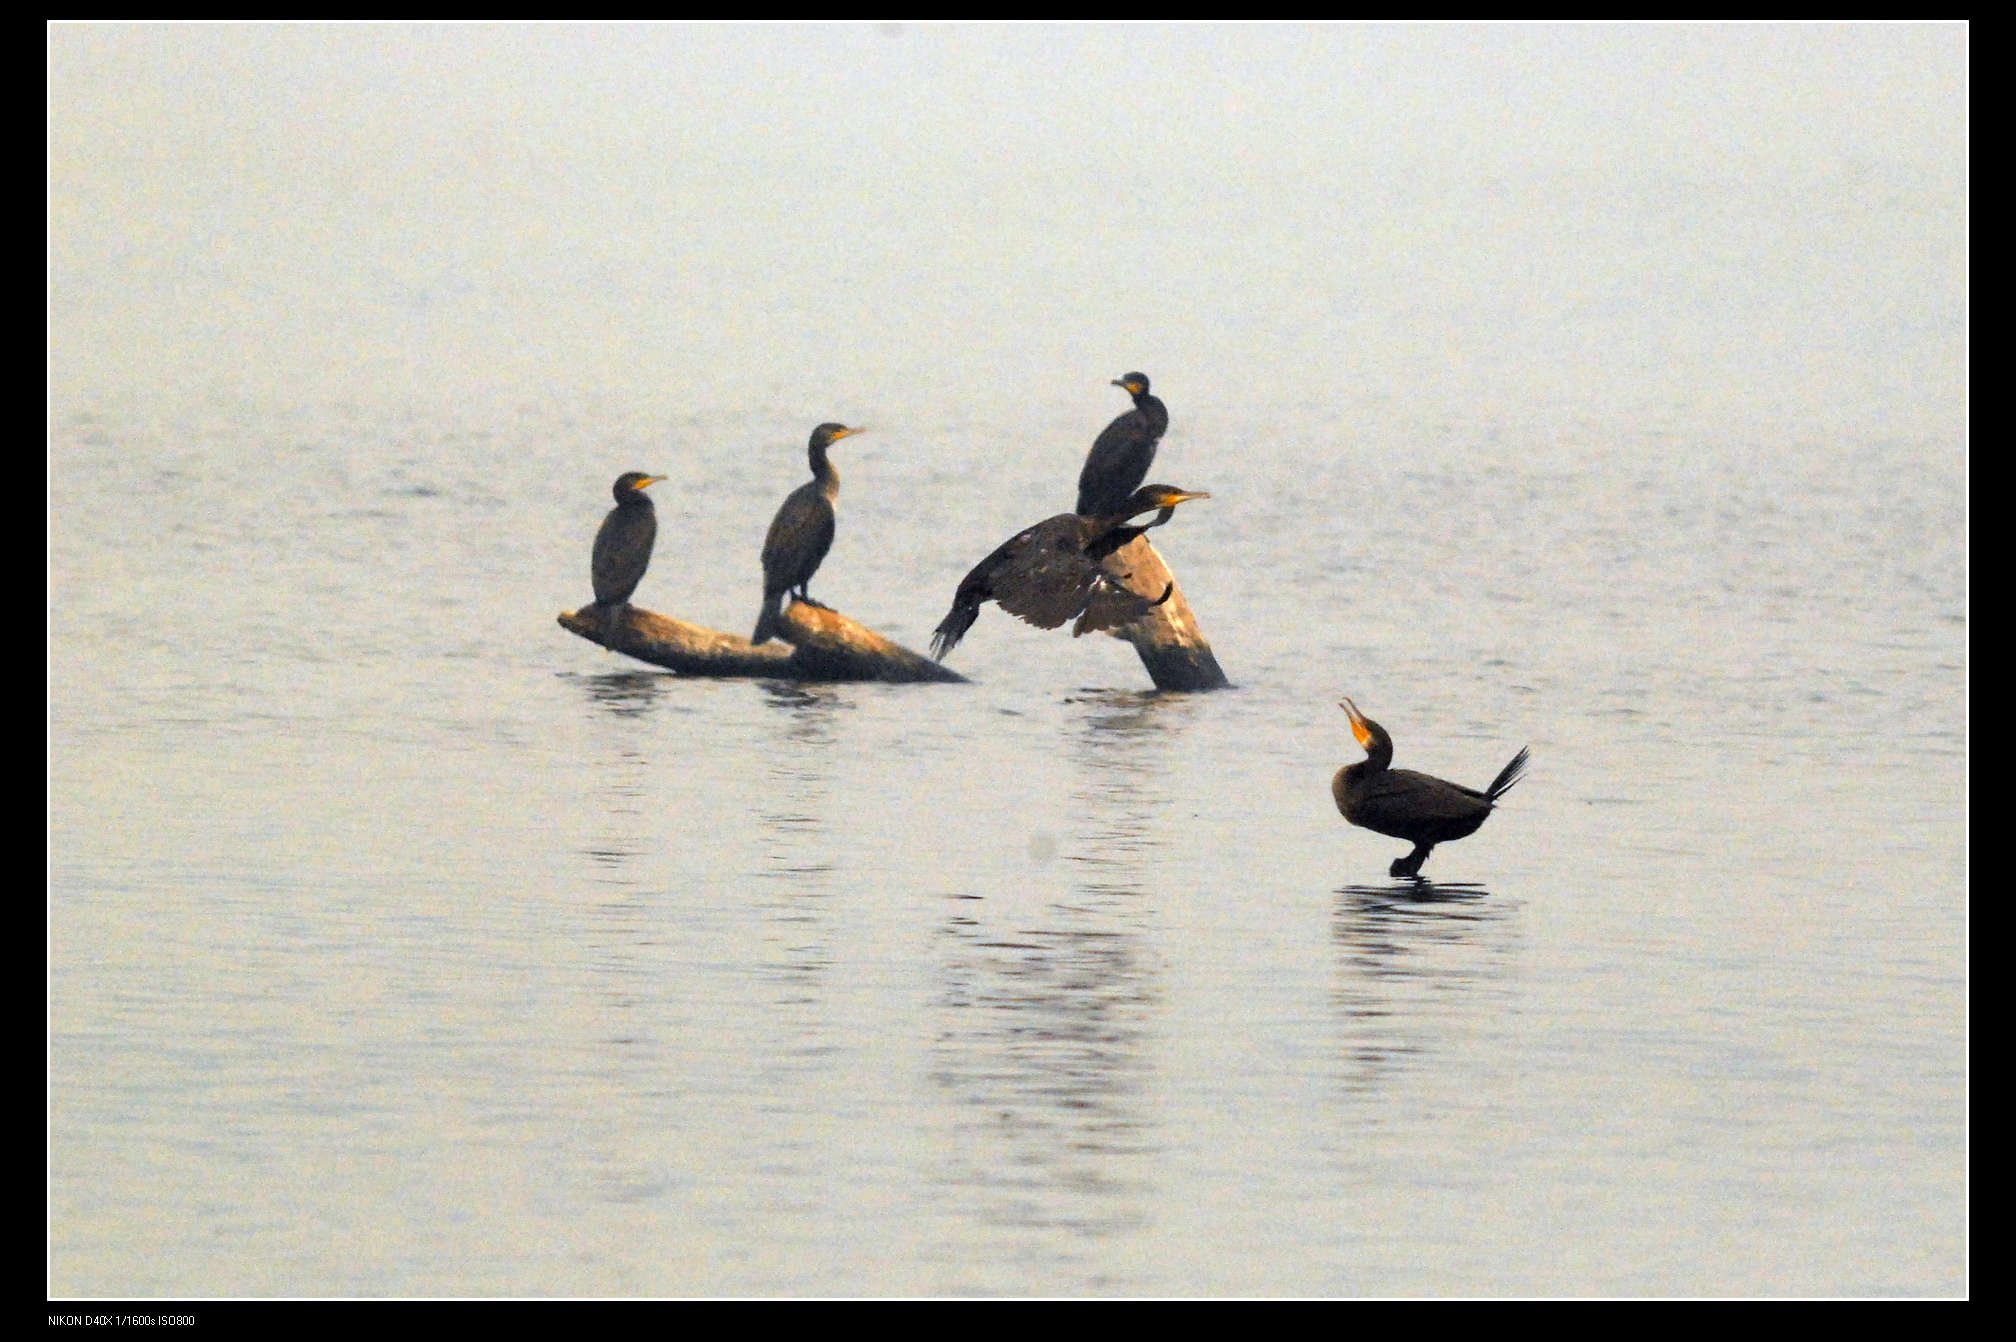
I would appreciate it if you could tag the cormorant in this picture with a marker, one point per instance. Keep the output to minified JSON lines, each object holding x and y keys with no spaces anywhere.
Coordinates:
{"x":1050,"y":573}
{"x":801,"y":533}
{"x":1407,"y":805}
{"x":623,"y":545}
{"x":1120,"y":457}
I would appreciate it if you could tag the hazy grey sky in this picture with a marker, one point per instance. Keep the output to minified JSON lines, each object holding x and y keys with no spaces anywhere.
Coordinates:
{"x":701,"y":212}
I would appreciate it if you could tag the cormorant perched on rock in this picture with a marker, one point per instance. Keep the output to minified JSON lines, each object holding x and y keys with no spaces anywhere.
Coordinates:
{"x":623,"y":545}
{"x":801,"y":533}
{"x":1120,"y":457}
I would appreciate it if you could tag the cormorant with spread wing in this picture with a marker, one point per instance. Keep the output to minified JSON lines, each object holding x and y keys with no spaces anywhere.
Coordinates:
{"x":1050,"y":573}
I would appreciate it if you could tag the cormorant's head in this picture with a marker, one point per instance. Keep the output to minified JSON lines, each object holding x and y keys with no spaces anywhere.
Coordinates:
{"x":828,"y":434}
{"x":632,"y":484}
{"x":1361,"y":726}
{"x":1165,"y":497}
{"x":1135,"y":384}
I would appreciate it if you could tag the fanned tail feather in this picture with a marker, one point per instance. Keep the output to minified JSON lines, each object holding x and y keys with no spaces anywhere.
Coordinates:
{"x":951,"y":629}
{"x":1507,"y":776}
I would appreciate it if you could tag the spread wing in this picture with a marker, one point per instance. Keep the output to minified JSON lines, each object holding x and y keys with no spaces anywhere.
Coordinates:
{"x":1113,"y":605}
{"x":1044,"y":576}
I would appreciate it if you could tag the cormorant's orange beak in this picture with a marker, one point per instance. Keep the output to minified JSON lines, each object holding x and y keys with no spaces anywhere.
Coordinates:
{"x":1357,"y":723}
{"x":1131,"y":388}
{"x":647,"y":481}
{"x":1177,"y":496}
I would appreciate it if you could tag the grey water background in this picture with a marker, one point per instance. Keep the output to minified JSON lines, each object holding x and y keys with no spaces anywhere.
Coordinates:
{"x":1600,"y":388}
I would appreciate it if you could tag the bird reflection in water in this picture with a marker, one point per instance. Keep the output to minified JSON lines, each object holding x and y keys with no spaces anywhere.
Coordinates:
{"x":629,"y":694}
{"x":1415,"y":890}
{"x":797,"y":868}
{"x":625,"y":699}
{"x":1419,"y":964}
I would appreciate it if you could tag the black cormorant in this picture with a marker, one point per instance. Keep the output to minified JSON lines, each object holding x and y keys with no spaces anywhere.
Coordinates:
{"x":1050,"y":572}
{"x":801,"y":533}
{"x":1120,"y":457}
{"x":623,"y":545}
{"x":1406,"y":805}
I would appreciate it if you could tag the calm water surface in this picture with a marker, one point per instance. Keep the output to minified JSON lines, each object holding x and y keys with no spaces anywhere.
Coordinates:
{"x":404,"y":944}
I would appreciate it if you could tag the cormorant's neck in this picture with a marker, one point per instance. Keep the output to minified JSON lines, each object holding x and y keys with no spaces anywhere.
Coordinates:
{"x":1378,"y":755}
{"x":824,"y":471}
{"x":1113,"y":520}
{"x":1109,"y":536}
{"x":1151,"y":408}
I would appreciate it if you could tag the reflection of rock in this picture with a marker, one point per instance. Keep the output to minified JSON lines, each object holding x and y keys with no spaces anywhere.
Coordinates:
{"x":1117,"y":790}
{"x":627,"y":693}
{"x":621,"y":699}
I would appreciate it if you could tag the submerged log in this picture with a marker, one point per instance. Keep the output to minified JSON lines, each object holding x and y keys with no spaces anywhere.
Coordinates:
{"x":824,"y":645}
{"x":1172,"y":647}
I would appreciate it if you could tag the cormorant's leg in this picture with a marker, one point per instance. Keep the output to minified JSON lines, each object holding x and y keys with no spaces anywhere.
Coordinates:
{"x":1410,"y":865}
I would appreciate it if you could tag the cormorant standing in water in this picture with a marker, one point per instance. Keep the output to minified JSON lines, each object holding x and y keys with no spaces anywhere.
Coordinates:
{"x":1120,"y":457}
{"x":623,"y":545}
{"x":801,"y":533}
{"x":1407,"y":805}
{"x":1050,"y":573}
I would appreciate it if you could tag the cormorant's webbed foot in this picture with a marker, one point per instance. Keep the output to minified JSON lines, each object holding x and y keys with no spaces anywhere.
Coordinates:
{"x":1409,"y":865}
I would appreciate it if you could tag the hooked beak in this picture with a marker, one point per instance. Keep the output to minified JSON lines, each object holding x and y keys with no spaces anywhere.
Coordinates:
{"x":1357,"y":723}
